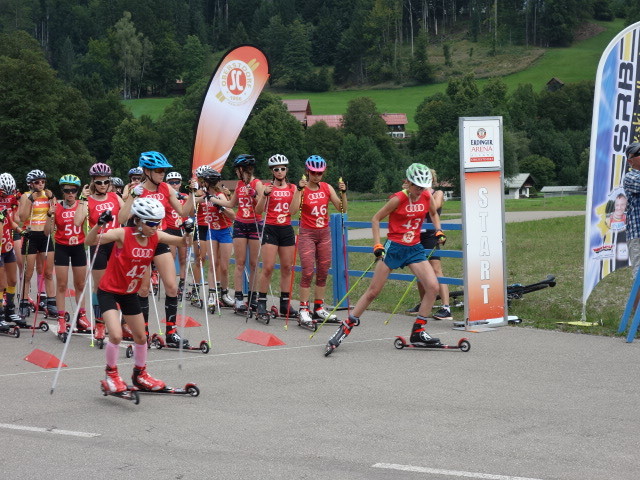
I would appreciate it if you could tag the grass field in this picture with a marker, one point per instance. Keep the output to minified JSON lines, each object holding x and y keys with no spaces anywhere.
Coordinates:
{"x":573,"y":64}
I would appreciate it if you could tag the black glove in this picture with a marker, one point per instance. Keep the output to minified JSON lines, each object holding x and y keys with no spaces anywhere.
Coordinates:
{"x":441,"y":237}
{"x":378,"y":250}
{"x":189,"y":225}
{"x":26,"y":233}
{"x":104,"y":218}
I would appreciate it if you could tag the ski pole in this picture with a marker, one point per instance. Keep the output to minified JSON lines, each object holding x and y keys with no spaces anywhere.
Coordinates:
{"x":155,"y":304}
{"x":295,"y":252}
{"x":345,"y":296}
{"x":386,"y":322}
{"x":40,"y":284}
{"x":74,"y":319}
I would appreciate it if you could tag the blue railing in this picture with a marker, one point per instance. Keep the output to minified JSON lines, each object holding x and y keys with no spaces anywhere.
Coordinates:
{"x":340,"y":236}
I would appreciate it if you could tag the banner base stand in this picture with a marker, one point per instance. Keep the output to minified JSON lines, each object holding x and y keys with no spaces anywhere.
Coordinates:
{"x":475,"y":329}
{"x":579,"y":324}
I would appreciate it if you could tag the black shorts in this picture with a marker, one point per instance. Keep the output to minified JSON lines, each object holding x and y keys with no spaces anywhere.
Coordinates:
{"x":202,"y":233}
{"x":161,"y":248}
{"x":16,"y":235}
{"x":37,"y":242}
{"x":8,"y":257}
{"x":429,"y":242}
{"x":129,"y":302}
{"x":250,"y":231}
{"x":176,"y":232}
{"x":73,"y":253}
{"x":280,"y":235}
{"x":104,"y":252}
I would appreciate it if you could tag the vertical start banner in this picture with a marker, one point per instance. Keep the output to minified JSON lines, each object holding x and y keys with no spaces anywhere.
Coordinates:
{"x":482,"y":188}
{"x":615,"y":124}
{"x":232,"y":92}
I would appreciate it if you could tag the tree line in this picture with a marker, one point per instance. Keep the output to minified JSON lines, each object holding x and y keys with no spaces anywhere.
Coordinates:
{"x":142,"y":47}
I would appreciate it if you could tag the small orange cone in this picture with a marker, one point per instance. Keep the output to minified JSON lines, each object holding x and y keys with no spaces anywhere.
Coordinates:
{"x":184,"y":321}
{"x":43,"y":359}
{"x":260,"y":338}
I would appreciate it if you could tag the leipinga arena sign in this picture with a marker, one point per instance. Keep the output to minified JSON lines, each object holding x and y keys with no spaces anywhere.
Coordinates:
{"x":482,"y":187}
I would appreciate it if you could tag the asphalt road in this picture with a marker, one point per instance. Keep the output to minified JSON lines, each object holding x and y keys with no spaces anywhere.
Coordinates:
{"x":521,"y":404}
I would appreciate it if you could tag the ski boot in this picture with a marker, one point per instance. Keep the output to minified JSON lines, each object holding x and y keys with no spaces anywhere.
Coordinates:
{"x":82,"y":322}
{"x":286,"y":310}
{"x":100,"y":333}
{"x":225,"y":299}
{"x":173,"y":341}
{"x":211,"y":301}
{"x":305,"y":319}
{"x":50,"y":309}
{"x":113,"y":381}
{"x":63,"y":327}
{"x":342,"y":332}
{"x":262,"y":315}
{"x":240,"y":307}
{"x":195,"y":299}
{"x":8,"y":329}
{"x":252,"y":299}
{"x":24,"y":310}
{"x":143,"y":381}
{"x":319,"y":313}
{"x":420,"y":338}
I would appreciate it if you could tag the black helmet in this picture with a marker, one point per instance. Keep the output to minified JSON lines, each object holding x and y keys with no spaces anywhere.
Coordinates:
{"x":244,"y":160}
{"x":633,"y":150}
{"x":212,"y":176}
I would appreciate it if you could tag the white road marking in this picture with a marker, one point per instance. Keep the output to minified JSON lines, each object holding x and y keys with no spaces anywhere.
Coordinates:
{"x":56,"y":431}
{"x":452,"y":473}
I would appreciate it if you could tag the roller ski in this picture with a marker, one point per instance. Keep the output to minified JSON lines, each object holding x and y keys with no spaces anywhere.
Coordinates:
{"x":342,"y":333}
{"x":9,"y":330}
{"x":194,"y":296}
{"x":262,"y":314}
{"x":240,"y":307}
{"x":173,"y":342}
{"x":63,"y":327}
{"x":189,"y":389}
{"x":22,"y":323}
{"x":463,"y":344}
{"x":114,"y":385}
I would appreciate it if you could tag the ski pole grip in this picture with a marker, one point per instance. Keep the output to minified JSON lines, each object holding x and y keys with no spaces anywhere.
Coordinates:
{"x":378,"y":250}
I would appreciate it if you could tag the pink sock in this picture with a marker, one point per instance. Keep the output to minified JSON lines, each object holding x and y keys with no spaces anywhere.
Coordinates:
{"x":139,"y":355}
{"x":112,"y":351}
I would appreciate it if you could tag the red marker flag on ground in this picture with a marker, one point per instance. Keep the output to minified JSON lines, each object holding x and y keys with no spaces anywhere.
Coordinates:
{"x":232,"y":93}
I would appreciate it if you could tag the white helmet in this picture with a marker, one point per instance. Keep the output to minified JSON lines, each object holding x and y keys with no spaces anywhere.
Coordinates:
{"x":148,"y":208}
{"x":278,"y":159}
{"x":34,"y":175}
{"x":173,"y":176}
{"x":419,"y":175}
{"x":202,"y":170}
{"x":7,"y":183}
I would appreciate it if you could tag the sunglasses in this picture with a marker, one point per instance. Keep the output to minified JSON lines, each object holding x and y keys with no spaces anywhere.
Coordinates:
{"x":159,"y":170}
{"x":102,"y":182}
{"x":69,"y":190}
{"x":136,"y":179}
{"x":279,"y":169}
{"x":150,"y":223}
{"x":316,"y":173}
{"x":174,"y":182}
{"x":39,"y":182}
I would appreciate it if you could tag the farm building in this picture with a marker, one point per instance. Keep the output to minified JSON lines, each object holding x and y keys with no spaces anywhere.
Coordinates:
{"x":519,"y":185}
{"x":561,"y":191}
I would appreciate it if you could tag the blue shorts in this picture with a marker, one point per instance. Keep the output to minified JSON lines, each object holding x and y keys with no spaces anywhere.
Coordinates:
{"x":221,"y":236}
{"x":399,"y":256}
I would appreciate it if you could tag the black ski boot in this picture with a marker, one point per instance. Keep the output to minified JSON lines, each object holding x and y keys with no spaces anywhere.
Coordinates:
{"x":262,"y":315}
{"x":342,"y":332}
{"x":286,"y":310}
{"x":419,"y":336}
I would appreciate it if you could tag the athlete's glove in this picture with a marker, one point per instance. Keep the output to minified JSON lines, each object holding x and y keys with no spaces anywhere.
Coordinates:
{"x":189,"y":226}
{"x":137,"y":191}
{"x":3,"y":215}
{"x":378,"y":250}
{"x":104,"y":218}
{"x":441,"y":237}
{"x":26,"y":233}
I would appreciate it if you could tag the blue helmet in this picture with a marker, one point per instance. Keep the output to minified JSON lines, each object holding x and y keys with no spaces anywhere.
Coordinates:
{"x":135,"y":171}
{"x":244,"y":160}
{"x":153,"y":160}
{"x":315,"y":163}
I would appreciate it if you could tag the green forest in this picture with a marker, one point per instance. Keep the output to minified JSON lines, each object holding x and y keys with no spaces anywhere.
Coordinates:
{"x":65,"y":66}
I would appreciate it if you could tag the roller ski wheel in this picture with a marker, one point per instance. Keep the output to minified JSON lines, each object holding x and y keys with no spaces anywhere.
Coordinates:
{"x":329,"y":349}
{"x":196,"y":303}
{"x":129,"y":394}
{"x":159,"y":343}
{"x":12,"y":331}
{"x":129,"y":351}
{"x":190,"y":389}
{"x":312,"y":326}
{"x":100,"y":343}
{"x":463,"y":345}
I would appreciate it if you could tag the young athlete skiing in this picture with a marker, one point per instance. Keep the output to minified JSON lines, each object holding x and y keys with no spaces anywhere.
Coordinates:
{"x":280,"y":199}
{"x":33,"y":210}
{"x":95,"y":199}
{"x":69,"y":240}
{"x":314,"y":238}
{"x":126,"y":272}
{"x":173,"y":224}
{"x":247,"y":226}
{"x":217,"y":220}
{"x":406,"y":211}
{"x":8,"y":209}
{"x":154,"y":166}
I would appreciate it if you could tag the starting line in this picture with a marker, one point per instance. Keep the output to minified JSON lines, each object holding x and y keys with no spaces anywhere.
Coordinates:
{"x":49,"y":430}
{"x":452,"y":473}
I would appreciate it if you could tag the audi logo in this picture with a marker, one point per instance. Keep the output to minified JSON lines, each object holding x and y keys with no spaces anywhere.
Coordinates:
{"x":157,"y":196}
{"x":415,"y":207}
{"x":316,"y":196}
{"x":281,"y":193}
{"x":101,"y":207}
{"x":142,"y":253}
{"x":66,"y":214}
